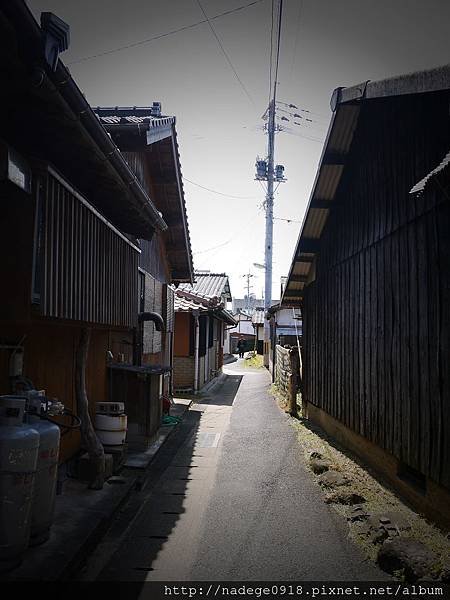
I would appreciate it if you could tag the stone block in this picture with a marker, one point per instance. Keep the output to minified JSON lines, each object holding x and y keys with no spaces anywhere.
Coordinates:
{"x":407,"y":555}
{"x":85,"y":469}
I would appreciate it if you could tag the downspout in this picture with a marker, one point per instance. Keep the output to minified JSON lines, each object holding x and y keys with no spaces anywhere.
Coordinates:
{"x":195,"y":314}
{"x":206,"y":370}
{"x":152,"y":316}
{"x":139,"y":331}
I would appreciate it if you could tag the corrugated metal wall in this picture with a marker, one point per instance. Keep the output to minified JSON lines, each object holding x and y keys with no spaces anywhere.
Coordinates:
{"x":377,"y":319}
{"x":85,"y":269}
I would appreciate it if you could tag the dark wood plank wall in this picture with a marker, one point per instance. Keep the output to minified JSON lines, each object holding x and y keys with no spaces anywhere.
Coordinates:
{"x":88,"y":272}
{"x":377,"y":318}
{"x":152,"y":258}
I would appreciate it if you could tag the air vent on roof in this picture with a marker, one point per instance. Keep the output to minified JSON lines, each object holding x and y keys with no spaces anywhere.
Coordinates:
{"x":156,"y":109}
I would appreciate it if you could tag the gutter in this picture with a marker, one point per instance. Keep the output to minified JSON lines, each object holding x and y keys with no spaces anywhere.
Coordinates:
{"x":195,"y":314}
{"x":70,"y":92}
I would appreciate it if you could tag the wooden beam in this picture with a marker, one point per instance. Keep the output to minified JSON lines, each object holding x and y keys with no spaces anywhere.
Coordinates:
{"x":308,"y":245}
{"x":333,"y":158}
{"x":164,"y":180}
{"x":298,"y":278}
{"x":180,"y":276}
{"x":173,"y":222}
{"x":293,"y":293}
{"x":321,"y":203}
{"x":174,"y":251}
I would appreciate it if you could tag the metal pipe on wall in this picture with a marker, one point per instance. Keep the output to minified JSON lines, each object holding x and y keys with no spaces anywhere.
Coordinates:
{"x":195,"y":314}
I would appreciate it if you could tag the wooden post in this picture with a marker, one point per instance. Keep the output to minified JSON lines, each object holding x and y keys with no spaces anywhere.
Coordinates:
{"x":292,"y":389}
{"x":89,"y":439}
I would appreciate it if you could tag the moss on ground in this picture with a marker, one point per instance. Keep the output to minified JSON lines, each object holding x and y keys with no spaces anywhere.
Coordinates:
{"x":254,"y":362}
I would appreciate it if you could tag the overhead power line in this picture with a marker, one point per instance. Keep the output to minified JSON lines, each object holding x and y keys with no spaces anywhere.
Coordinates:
{"x":298,"y":134}
{"x":219,"y":193}
{"x":300,"y":6}
{"x":225,"y":54}
{"x":242,"y":227}
{"x":271,"y":55}
{"x":295,"y":107}
{"x":287,"y":220}
{"x":278,"y":44}
{"x":162,"y":35}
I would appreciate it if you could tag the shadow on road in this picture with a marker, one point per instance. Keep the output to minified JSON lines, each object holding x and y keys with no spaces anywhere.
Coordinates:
{"x":155,"y":510}
{"x":224,"y":393}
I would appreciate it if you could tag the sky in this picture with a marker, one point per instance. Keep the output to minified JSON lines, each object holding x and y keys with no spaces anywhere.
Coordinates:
{"x":219,"y":106}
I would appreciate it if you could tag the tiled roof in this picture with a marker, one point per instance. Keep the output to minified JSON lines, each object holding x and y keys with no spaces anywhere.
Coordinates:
{"x":200,"y":300}
{"x":188,"y":300}
{"x":258,"y":317}
{"x":209,"y":284}
{"x":184,"y":304}
{"x":150,"y":119}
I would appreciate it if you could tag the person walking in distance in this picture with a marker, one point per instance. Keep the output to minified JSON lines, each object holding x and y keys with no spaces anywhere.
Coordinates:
{"x":240,"y":347}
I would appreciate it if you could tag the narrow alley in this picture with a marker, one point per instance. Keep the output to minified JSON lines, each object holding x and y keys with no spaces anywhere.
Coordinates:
{"x":225,"y":319}
{"x":234,"y":501}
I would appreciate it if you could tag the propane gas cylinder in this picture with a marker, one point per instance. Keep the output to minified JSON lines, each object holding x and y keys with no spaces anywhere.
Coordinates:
{"x":43,"y":504}
{"x":19,"y":445}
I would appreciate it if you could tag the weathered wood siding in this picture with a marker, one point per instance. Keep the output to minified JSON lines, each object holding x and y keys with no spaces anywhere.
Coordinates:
{"x":377,"y":318}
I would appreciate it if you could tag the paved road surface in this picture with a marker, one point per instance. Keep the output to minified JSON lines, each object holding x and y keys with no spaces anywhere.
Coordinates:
{"x":234,"y":501}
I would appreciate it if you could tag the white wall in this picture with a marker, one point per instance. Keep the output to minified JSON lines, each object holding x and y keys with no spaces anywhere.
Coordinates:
{"x":285,"y":317}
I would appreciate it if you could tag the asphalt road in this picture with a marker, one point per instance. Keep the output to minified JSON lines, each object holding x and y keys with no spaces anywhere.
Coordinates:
{"x":233,"y":500}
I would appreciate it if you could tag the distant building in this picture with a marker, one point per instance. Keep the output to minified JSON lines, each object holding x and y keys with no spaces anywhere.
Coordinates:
{"x":285,"y":330}
{"x":258,"y":319}
{"x":243,"y":330}
{"x":201,"y":321}
{"x":249,"y":304}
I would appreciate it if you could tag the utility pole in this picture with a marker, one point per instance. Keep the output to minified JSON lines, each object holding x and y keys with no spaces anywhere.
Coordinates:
{"x":265,"y":170}
{"x":248,"y":276}
{"x":268,"y":251}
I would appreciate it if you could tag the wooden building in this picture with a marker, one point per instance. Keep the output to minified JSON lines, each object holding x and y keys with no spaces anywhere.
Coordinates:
{"x":258,"y":319}
{"x":371,"y":271}
{"x":201,"y":320}
{"x":148,"y":142}
{"x":73,"y":213}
